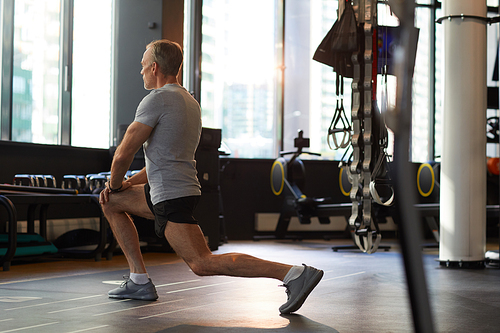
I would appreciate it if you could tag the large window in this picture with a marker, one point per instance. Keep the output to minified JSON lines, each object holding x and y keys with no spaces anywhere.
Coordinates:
{"x":91,"y":98}
{"x":492,"y":34}
{"x":310,"y":98}
{"x":422,"y":108}
{"x":35,"y":82}
{"x":239,"y":73}
{"x":59,"y":88}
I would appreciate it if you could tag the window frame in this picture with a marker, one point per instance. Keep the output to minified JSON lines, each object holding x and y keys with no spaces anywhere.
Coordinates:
{"x":65,"y":63}
{"x":193,"y":54}
{"x":64,"y":112}
{"x":7,"y":20}
{"x":193,"y":70}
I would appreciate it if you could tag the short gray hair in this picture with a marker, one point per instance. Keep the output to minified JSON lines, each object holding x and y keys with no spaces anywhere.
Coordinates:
{"x":168,"y":56}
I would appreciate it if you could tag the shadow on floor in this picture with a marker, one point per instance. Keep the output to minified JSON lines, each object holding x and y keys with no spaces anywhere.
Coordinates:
{"x":297,"y":324}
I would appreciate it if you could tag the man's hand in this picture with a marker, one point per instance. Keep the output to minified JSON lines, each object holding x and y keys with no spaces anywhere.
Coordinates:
{"x":104,"y":195}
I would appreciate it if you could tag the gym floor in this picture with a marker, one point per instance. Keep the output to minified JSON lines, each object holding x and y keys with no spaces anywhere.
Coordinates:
{"x":359,"y":293}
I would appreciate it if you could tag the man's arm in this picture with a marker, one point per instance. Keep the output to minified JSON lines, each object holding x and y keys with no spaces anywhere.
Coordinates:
{"x":139,"y":178}
{"x":136,"y":134}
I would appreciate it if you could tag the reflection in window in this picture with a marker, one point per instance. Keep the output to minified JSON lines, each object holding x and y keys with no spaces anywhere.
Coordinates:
{"x":91,"y":88}
{"x":35,"y":96}
{"x":239,"y":73}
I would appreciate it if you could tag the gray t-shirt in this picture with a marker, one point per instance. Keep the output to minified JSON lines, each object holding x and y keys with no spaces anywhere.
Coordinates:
{"x":169,"y":152}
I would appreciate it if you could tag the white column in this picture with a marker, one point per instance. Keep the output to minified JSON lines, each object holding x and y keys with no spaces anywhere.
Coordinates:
{"x":463,"y":167}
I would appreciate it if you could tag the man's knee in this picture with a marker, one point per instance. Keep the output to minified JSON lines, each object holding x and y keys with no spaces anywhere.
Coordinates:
{"x":111,"y":207}
{"x":132,"y":201}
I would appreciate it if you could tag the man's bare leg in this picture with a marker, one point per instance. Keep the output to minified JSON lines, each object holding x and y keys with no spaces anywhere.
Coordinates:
{"x":188,"y":242}
{"x":117,"y":210}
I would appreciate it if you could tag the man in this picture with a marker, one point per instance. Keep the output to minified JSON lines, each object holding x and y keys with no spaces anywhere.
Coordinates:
{"x":168,"y":126}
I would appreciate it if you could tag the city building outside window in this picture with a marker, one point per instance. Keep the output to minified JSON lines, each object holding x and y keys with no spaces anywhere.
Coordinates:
{"x":39,"y":78}
{"x":91,"y":87}
{"x":239,"y":73}
{"x":35,"y":82}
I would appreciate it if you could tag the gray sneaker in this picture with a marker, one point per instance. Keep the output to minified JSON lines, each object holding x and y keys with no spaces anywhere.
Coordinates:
{"x":299,"y":288}
{"x":128,"y":289}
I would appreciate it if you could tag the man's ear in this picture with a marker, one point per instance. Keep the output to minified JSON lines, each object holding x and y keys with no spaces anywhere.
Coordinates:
{"x":155,"y":68}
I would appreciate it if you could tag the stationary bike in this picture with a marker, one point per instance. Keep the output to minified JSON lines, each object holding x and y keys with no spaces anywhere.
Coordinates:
{"x":288,"y":178}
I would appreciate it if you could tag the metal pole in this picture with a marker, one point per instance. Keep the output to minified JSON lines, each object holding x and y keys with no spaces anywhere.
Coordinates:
{"x":408,"y":221}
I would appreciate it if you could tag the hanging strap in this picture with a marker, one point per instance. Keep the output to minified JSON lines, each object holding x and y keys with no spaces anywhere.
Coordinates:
{"x":378,"y":171}
{"x":339,"y":118}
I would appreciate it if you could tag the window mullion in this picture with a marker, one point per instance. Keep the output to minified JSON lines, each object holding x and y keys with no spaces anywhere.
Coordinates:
{"x":193,"y":79}
{"x":66,"y":70}
{"x":432,"y":85}
{"x":7,"y":68}
{"x":280,"y":82}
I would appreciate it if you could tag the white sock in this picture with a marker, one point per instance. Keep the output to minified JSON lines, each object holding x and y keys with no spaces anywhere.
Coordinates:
{"x":293,"y":273}
{"x":139,"y":278}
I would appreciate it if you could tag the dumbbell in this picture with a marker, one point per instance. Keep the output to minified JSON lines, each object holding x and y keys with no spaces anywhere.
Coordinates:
{"x":24,"y":180}
{"x":39,"y":180}
{"x":50,"y":181}
{"x":97,"y":182}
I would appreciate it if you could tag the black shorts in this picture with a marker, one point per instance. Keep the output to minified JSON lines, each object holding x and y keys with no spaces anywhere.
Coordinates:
{"x":179,"y":210}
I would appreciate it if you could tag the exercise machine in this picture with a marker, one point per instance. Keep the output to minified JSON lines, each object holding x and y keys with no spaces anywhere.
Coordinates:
{"x":288,"y":180}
